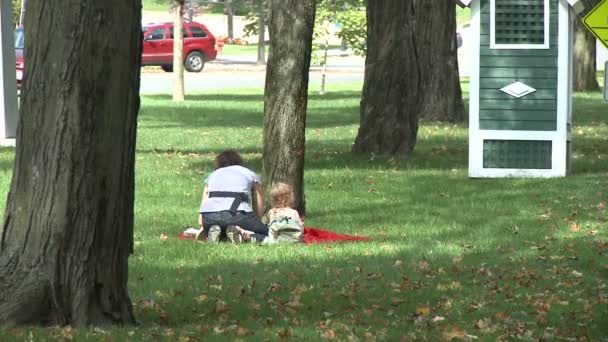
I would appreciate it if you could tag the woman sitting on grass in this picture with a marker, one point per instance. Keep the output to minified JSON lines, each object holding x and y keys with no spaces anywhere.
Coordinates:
{"x":226,"y":198}
{"x":285,"y":224}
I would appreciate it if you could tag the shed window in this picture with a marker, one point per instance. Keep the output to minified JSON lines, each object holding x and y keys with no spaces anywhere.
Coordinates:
{"x":519,"y":24}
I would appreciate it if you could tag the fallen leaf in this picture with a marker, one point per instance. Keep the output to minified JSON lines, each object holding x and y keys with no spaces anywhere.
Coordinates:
{"x":202,"y":298}
{"x":422,"y":310}
{"x":284,"y":333}
{"x":424,"y":265}
{"x":329,"y":334}
{"x":66,"y":332}
{"x":454,"y":332}
{"x":240,"y":331}
{"x":374,"y":276}
{"x":397,"y":301}
{"x":455,"y":285}
{"x":501,"y":315}
{"x":294,"y":302}
{"x":484,"y":325}
{"x":220,"y":306}
{"x":574,"y":227}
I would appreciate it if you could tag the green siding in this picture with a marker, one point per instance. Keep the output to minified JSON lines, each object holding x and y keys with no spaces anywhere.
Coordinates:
{"x":523,"y":125}
{"x":499,"y":82}
{"x":517,"y":154}
{"x":516,"y":62}
{"x":518,"y":115}
{"x":517,"y":104}
{"x":539,"y":94}
{"x":535,"y":67}
{"x":543,"y":73}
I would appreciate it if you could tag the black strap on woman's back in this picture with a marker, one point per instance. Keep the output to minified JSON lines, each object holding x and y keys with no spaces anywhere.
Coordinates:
{"x":238,"y":197}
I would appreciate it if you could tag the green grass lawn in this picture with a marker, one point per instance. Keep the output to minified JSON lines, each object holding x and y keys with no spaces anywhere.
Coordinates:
{"x":517,"y":259}
{"x":156,"y":5}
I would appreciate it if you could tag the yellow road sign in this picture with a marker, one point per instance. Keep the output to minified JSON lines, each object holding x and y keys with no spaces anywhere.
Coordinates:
{"x":597,"y":22}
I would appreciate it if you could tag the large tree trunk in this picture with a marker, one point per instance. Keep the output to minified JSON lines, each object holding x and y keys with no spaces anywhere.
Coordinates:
{"x":585,"y":71}
{"x":178,"y":52}
{"x":438,"y":61}
{"x":291,"y":25}
{"x":68,"y":228}
{"x":391,"y":98}
{"x":261,"y":33}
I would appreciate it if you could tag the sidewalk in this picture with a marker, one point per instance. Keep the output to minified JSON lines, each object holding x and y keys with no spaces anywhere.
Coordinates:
{"x":337,"y":62}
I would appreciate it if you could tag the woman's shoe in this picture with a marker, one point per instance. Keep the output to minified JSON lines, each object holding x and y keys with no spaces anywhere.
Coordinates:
{"x":233,"y":234}
{"x":214,"y":234}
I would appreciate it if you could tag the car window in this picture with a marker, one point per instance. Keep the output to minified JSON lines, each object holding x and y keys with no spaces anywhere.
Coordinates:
{"x":157,"y":34}
{"x":19,"y":37}
{"x":198,"y":32}
{"x":186,"y":34}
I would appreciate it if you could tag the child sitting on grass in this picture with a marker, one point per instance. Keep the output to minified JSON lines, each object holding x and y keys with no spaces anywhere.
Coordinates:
{"x":284,"y":222}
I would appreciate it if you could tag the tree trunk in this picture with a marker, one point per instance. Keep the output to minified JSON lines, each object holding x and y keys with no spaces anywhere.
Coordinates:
{"x":178,"y":52}
{"x":230,"y":13}
{"x":585,"y":71}
{"x":291,"y":25}
{"x":68,"y":228}
{"x":391,"y":98}
{"x":438,"y":61}
{"x":261,"y":33}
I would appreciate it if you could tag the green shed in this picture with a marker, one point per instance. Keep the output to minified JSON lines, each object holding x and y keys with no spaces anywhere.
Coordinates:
{"x":520,"y":88}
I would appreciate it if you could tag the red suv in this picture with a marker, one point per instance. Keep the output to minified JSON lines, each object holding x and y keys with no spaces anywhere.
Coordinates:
{"x":199,"y":46}
{"x":19,"y":55}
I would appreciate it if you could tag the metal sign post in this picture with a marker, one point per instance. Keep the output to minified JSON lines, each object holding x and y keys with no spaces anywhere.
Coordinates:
{"x":606,"y":82}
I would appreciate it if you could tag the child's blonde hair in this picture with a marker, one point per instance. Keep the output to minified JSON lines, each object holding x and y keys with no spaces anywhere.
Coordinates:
{"x":281,"y":195}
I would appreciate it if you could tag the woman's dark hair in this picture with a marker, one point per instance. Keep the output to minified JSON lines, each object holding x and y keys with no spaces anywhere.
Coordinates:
{"x":228,"y":158}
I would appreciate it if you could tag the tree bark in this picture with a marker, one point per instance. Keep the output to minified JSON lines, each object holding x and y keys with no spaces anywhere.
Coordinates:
{"x":585,"y":71}
{"x":68,"y":228}
{"x":261,"y":33}
{"x":392,"y":92}
{"x":291,"y":24}
{"x":178,"y":52}
{"x":438,"y":61}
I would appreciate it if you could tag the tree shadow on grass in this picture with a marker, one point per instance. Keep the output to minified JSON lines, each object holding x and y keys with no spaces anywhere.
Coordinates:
{"x":214,"y":118}
{"x":354,"y":288}
{"x":434,"y":153}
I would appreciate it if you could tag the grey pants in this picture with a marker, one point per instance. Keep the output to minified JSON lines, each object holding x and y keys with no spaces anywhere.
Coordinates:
{"x":243,"y":219}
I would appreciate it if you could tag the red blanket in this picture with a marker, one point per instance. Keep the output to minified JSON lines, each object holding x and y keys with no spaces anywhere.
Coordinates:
{"x":313,"y":235}
{"x":316,"y":235}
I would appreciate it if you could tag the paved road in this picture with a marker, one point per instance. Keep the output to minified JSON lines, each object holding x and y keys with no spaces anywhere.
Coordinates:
{"x":162,"y":83}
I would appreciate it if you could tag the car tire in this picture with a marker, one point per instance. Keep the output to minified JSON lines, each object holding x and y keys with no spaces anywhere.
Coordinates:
{"x":167,"y":68}
{"x":195,"y":61}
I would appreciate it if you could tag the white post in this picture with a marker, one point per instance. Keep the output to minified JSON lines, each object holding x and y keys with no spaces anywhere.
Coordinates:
{"x":8,"y":84}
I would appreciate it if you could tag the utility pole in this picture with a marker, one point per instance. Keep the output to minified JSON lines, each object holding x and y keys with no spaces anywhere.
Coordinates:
{"x":261,"y":33}
{"x":190,"y":11}
{"x":22,"y":13}
{"x":230,"y":13}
